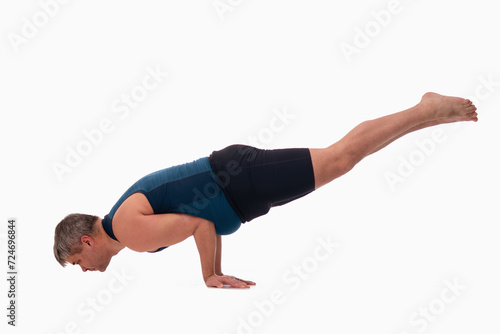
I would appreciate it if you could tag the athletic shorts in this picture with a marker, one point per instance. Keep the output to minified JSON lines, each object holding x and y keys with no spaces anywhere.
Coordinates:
{"x":255,"y":180}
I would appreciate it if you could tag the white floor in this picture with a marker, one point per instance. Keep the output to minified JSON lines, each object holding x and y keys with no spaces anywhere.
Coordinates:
{"x":97,"y":94}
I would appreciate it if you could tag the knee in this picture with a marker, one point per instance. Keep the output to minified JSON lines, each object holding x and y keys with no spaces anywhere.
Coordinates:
{"x":343,"y":157}
{"x":331,"y":163}
{"x":345,"y":165}
{"x":341,"y":165}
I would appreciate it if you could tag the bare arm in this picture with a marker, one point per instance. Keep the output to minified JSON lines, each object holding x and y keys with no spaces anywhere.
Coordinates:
{"x":218,"y":269}
{"x":209,"y":246}
{"x":143,"y":233}
{"x":206,"y":241}
{"x":218,"y":256}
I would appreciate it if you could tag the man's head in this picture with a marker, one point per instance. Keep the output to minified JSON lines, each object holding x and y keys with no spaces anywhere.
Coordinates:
{"x":79,"y":240}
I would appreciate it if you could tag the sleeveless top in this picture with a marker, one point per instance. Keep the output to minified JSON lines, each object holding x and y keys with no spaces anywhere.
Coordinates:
{"x":190,"y":188}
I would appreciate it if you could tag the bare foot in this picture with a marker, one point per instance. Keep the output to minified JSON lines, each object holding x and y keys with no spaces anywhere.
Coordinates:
{"x":451,"y":109}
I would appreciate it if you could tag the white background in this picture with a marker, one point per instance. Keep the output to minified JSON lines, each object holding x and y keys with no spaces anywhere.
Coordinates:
{"x":228,"y":74}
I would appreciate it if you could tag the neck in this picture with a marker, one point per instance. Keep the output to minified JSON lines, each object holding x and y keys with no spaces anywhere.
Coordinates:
{"x":112,"y":245}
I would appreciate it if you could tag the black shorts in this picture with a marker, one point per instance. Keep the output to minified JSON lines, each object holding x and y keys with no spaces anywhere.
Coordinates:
{"x":255,"y":180}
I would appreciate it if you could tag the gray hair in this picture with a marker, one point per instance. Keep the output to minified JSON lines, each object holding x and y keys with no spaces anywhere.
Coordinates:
{"x":69,"y":232}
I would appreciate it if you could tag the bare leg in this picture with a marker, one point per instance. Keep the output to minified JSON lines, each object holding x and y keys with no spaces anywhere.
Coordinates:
{"x":371,"y":136}
{"x":418,"y":127}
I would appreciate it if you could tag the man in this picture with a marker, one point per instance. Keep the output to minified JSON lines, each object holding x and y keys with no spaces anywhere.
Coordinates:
{"x":212,"y":196}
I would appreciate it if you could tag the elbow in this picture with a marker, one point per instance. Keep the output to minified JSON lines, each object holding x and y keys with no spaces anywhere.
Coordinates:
{"x":204,"y":226}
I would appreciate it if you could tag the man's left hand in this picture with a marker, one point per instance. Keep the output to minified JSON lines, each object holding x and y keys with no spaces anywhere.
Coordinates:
{"x":218,"y":281}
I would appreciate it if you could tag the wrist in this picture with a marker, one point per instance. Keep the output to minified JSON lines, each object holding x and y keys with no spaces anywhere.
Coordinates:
{"x":207,"y":276}
{"x":218,"y":270}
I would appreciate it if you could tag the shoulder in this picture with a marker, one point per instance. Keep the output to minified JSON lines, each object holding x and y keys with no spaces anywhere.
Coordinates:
{"x":136,"y":203}
{"x":128,"y":221}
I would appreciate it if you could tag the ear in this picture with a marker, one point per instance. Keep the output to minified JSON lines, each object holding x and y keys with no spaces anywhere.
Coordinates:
{"x":87,"y":241}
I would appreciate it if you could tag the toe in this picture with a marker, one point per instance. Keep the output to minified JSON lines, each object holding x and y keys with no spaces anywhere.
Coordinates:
{"x":472,"y":115}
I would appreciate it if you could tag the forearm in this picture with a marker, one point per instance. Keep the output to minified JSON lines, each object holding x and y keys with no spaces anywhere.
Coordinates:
{"x":218,"y":256}
{"x":206,"y":242}
{"x":210,"y":249}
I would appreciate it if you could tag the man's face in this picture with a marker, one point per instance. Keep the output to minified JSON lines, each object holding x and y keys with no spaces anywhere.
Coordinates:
{"x":91,"y":258}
